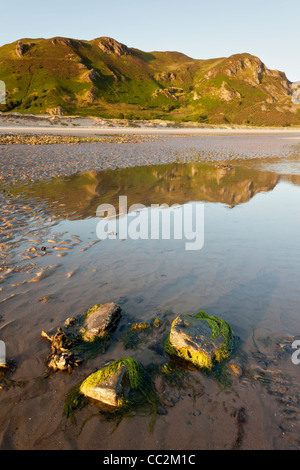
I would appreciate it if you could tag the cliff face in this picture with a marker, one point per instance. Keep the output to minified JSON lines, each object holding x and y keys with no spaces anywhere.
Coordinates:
{"x":107,"y":78}
{"x":111,"y":46}
{"x":295,"y":87}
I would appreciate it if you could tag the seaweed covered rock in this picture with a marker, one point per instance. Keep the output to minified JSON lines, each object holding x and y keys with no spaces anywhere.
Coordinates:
{"x":119,"y":388}
{"x":112,"y":384}
{"x":81,"y":337}
{"x":199,"y":339}
{"x":111,"y":391}
{"x":100,"y":319}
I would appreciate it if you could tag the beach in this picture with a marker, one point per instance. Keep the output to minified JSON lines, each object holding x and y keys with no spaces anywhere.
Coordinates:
{"x":53,"y":266}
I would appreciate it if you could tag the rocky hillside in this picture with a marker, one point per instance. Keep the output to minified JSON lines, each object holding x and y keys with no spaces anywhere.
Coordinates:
{"x":105,"y":78}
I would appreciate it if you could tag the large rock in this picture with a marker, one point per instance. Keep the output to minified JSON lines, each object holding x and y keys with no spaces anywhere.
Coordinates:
{"x":199,"y":339}
{"x":100,"y":319}
{"x":112,"y":384}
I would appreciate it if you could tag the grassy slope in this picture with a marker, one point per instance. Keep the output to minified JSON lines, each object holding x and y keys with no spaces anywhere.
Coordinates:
{"x":54,"y":73}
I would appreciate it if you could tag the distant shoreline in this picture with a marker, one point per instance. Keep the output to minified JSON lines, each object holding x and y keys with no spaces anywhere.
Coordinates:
{"x":86,"y":126}
{"x":88,"y":131}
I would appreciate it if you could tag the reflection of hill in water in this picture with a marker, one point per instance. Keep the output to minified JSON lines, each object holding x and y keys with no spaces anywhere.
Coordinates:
{"x":169,"y":184}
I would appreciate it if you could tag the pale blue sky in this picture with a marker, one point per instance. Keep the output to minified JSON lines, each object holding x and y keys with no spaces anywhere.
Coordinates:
{"x":200,"y":29}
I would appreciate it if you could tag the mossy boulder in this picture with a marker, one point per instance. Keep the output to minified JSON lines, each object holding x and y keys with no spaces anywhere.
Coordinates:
{"x":112,"y":384}
{"x":200,"y":339}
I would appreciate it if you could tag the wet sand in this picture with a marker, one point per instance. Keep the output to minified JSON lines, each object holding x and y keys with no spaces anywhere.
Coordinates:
{"x":33,"y":162}
{"x":53,"y":267}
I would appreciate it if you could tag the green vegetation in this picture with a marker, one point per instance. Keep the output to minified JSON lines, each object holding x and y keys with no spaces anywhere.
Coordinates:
{"x":82,"y":78}
{"x":136,"y":333}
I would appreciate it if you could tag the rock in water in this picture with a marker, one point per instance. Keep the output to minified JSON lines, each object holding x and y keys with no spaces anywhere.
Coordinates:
{"x":111,"y":391}
{"x":200,"y":339}
{"x":122,"y":386}
{"x":100,"y":319}
{"x":113,"y":383}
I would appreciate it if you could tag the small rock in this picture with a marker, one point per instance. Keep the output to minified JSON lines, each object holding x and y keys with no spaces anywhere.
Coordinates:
{"x":235,"y":368}
{"x":161,"y":411}
{"x":99,"y":319}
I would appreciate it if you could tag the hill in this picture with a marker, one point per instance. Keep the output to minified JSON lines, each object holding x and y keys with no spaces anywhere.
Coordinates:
{"x":103,"y":77}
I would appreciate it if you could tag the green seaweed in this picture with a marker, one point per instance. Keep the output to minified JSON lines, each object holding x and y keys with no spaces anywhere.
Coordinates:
{"x":133,"y":369}
{"x":219,"y":327}
{"x":136,"y":333}
{"x":173,"y":375}
{"x":74,"y":401}
{"x":90,"y":349}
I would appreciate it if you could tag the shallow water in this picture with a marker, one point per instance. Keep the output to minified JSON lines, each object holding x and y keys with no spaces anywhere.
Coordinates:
{"x":54,"y":266}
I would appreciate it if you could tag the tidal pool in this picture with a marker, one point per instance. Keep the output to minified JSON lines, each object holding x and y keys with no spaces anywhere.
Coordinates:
{"x":246,"y":271}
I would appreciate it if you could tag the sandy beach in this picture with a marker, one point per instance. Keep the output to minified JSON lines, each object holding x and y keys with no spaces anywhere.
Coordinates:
{"x":79,"y":126}
{"x":49,"y":196}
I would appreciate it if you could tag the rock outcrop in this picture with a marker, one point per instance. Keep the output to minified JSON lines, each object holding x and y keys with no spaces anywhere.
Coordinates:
{"x":249,"y":64}
{"x":90,"y":76}
{"x":111,"y":46}
{"x":66,"y":42}
{"x":166,"y":77}
{"x":22,"y":48}
{"x":295,"y":92}
{"x":58,"y":111}
{"x":226,"y":93}
{"x":167,"y":93}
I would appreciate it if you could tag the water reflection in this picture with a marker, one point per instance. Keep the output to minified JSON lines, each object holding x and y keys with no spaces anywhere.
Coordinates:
{"x":246,"y":273}
{"x":78,"y":196}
